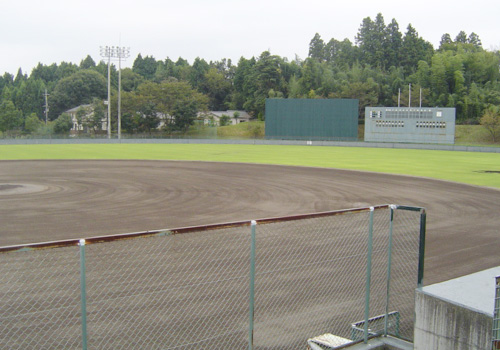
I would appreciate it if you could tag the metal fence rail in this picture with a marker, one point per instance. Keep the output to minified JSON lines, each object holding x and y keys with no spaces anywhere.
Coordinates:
{"x":269,"y":284}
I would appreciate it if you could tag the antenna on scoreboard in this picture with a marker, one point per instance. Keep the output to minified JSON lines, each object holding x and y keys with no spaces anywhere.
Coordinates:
{"x":409,"y":95}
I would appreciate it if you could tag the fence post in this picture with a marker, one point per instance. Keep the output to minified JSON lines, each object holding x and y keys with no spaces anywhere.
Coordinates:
{"x":368,"y":274}
{"x":421,"y":248}
{"x":83,"y":294}
{"x":496,"y":317}
{"x":252,"y":287}
{"x":389,"y":263}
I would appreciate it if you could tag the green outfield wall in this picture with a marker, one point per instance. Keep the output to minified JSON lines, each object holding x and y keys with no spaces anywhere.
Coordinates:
{"x":312,"y":119}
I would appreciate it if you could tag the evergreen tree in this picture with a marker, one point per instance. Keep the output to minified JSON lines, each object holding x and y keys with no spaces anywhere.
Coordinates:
{"x":87,"y":63}
{"x":414,"y":49}
{"x":392,"y":45}
{"x":461,"y":37}
{"x":145,"y":67}
{"x":317,"y":48}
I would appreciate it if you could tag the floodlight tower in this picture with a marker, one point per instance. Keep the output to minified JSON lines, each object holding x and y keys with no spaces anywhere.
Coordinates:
{"x":108,"y":51}
{"x":121,"y":53}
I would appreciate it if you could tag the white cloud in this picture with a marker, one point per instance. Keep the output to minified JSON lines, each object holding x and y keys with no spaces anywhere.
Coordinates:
{"x":54,"y":31}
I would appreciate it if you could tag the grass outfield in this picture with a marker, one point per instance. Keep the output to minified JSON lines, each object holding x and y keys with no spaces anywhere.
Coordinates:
{"x":481,"y":169}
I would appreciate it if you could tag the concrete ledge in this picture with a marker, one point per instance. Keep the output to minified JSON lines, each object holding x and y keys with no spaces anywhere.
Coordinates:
{"x":434,"y":147}
{"x":379,"y":343}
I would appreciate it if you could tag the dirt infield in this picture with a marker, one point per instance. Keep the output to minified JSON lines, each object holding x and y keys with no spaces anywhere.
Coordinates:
{"x":52,"y":200}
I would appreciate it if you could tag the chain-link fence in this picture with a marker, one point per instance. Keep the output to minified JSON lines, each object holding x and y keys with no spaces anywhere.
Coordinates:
{"x":271,"y":284}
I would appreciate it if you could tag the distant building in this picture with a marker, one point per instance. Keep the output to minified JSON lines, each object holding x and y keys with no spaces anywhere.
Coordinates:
{"x":212,"y":118}
{"x":410,"y":124}
{"x":82,"y":124}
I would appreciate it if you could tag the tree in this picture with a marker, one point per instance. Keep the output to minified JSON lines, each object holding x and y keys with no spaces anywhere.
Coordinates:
{"x":317,"y":48}
{"x":366,"y":92}
{"x":145,"y":66}
{"x":96,"y":115}
{"x":152,"y":101}
{"x":371,"y":40}
{"x":130,"y":80}
{"x":243,"y":82}
{"x":147,"y":117}
{"x":199,"y":70}
{"x":491,"y":121}
{"x":10,"y":117}
{"x":46,"y":73}
{"x":461,"y":37}
{"x":32,"y":124}
{"x":87,"y":63}
{"x":474,"y":40}
{"x":438,"y":80}
{"x":413,"y":50}
{"x":445,"y":41}
{"x":77,"y":89}
{"x":224,"y":120}
{"x":217,"y":88}
{"x":392,"y":44}
{"x":184,"y":114}
{"x":81,"y":114}
{"x":28,"y":97}
{"x":63,"y":124}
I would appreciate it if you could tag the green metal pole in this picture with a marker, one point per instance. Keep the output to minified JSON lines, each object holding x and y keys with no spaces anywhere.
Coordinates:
{"x":83,"y":294}
{"x":496,"y":316}
{"x":368,"y":274}
{"x":421,"y":248}
{"x":389,"y":263}
{"x":252,"y":287}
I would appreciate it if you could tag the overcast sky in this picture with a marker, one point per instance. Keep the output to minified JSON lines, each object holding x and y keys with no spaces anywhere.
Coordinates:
{"x":52,"y":31}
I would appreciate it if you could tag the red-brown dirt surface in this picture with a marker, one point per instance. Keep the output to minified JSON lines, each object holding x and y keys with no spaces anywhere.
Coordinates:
{"x":54,"y":200}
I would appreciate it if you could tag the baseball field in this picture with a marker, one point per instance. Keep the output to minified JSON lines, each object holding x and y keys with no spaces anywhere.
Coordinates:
{"x":61,"y":192}
{"x":74,"y":191}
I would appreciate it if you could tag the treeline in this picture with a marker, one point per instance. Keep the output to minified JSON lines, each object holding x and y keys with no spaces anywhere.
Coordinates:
{"x":379,"y":63}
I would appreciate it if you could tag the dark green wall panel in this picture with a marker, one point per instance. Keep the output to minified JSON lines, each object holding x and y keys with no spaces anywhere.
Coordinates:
{"x":312,"y":119}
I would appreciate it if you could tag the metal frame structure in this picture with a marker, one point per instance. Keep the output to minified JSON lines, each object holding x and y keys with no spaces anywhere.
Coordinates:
{"x":496,"y":317}
{"x":264,"y":225}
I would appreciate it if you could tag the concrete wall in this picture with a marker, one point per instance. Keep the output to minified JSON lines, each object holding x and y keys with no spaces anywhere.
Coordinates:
{"x":443,"y":325}
{"x":74,"y":141}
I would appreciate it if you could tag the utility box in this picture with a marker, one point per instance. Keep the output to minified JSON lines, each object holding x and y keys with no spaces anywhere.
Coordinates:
{"x":410,"y":125}
{"x":312,"y":119}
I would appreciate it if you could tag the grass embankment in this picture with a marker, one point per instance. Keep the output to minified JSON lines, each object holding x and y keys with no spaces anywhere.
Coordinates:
{"x":254,"y":129}
{"x":481,"y":169}
{"x":465,"y":135}
{"x":470,"y":135}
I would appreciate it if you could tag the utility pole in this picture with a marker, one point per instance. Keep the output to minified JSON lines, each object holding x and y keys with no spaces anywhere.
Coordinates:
{"x":46,"y":106}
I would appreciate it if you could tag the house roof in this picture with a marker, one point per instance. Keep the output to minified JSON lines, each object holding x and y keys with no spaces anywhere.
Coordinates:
{"x":74,"y":109}
{"x":229,"y":113}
